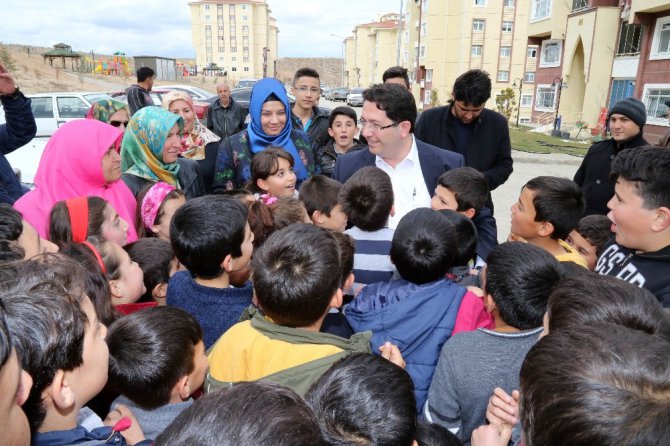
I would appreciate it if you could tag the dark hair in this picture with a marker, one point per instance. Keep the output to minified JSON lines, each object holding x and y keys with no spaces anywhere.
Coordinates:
{"x":596,"y":229}
{"x":207,"y":229}
{"x":60,"y":224}
{"x":367,"y":198}
{"x":96,"y":285}
{"x":647,"y":168}
{"x":472,"y":87}
{"x":589,"y":299}
{"x":423,"y":246}
{"x":144,"y":73}
{"x":395,"y":72}
{"x":558,"y":201}
{"x":5,"y":338}
{"x":429,"y":434}
{"x":108,"y":256}
{"x":365,"y":399}
{"x":395,"y":100}
{"x":11,"y":228}
{"x":46,"y":323}
{"x":154,"y":257}
{"x":139,"y":222}
{"x":600,"y":384}
{"x":235,"y":193}
{"x":293,"y":274}
{"x":266,"y":163}
{"x":342,"y":110}
{"x":257,"y":412}
{"x":468,"y":185}
{"x":347,"y":248}
{"x":150,"y":351}
{"x":305,"y":72}
{"x":287,"y":211}
{"x":319,"y":193}
{"x":520,"y":277}
{"x":465,"y":232}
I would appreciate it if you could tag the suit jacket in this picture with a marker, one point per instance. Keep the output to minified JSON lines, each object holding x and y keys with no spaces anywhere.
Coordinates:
{"x":434,"y":162}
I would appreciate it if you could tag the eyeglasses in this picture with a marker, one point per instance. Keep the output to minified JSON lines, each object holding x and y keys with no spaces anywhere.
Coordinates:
{"x":118,"y":123}
{"x":375,"y":127}
{"x":312,"y":90}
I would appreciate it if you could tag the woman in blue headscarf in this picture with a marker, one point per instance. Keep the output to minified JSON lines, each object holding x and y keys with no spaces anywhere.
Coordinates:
{"x":270,"y":126}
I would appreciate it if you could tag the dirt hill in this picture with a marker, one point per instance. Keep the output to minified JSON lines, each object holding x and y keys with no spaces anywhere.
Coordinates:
{"x":329,"y":69}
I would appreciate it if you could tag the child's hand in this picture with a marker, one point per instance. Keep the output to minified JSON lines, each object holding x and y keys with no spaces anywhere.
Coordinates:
{"x":392,"y":353}
{"x":134,"y":433}
{"x":503,"y":409}
{"x":491,"y":435}
{"x":476,"y":291}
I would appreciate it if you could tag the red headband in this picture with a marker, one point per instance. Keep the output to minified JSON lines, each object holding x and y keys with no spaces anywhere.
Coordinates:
{"x":78,"y":210}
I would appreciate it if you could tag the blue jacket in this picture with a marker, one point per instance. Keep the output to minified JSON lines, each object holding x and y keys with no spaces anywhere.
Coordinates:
{"x":417,"y":318}
{"x":434,"y":162}
{"x":19,"y":129}
{"x":80,"y":436}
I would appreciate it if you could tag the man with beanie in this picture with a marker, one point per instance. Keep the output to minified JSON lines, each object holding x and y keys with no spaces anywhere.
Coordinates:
{"x":625,"y":121}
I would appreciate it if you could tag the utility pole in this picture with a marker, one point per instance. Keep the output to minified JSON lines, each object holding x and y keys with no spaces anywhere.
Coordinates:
{"x":397,"y":54}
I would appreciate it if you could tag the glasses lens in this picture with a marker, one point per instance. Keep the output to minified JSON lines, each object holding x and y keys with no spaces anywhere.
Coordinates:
{"x":118,"y":123}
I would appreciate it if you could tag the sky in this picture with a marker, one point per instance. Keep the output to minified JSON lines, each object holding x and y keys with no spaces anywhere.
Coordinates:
{"x":163,"y":27}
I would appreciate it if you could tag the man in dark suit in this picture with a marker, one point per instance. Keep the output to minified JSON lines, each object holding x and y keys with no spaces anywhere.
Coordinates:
{"x":387,"y":122}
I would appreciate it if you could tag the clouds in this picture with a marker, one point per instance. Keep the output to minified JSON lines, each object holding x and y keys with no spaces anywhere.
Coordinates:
{"x":163,"y":28}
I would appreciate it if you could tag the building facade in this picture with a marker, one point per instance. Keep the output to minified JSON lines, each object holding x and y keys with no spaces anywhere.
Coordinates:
{"x":239,"y":37}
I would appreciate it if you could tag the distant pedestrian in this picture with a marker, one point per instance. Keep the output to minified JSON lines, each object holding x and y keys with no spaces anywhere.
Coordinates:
{"x":138,"y":94}
{"x":226,"y":117}
{"x":396,"y":75}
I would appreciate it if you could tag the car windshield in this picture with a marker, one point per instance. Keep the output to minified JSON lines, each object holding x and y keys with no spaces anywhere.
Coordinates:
{"x":357,"y":90}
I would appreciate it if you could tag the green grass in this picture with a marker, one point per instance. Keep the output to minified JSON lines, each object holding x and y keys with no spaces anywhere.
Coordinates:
{"x":526,"y":141}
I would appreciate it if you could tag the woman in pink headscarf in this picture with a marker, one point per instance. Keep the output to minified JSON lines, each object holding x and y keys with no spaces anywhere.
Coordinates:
{"x":81,"y":159}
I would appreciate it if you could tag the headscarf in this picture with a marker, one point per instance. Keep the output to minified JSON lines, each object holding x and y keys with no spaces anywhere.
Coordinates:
{"x":258,"y":139}
{"x":142,"y":146}
{"x":71,"y":166}
{"x":104,"y":108}
{"x":192,"y":144}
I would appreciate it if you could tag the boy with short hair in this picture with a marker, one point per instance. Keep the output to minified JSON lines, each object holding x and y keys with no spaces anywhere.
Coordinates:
{"x":156,"y":362}
{"x":211,"y":238}
{"x":335,"y":322}
{"x":518,"y":280}
{"x":367,"y":199}
{"x":158,"y":263}
{"x":465,"y":190}
{"x":342,"y":127}
{"x":294,"y":286}
{"x":547,"y":210}
{"x":306,"y":115}
{"x":640,"y":213}
{"x":319,"y":194}
{"x":590,"y":236}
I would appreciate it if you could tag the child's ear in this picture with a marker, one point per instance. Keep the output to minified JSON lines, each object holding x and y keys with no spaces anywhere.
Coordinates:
{"x":60,"y":392}
{"x":317,"y":217}
{"x":489,"y":303}
{"x":330,"y":132}
{"x":545,"y":229}
{"x":159,"y":291}
{"x":183,"y":387}
{"x":262,"y":184}
{"x":662,"y":220}
{"x":470,"y":213}
{"x":392,"y":213}
{"x":154,"y":230}
{"x":227,"y":264}
{"x":116,"y":288}
{"x":349,"y":282}
{"x":336,"y":300}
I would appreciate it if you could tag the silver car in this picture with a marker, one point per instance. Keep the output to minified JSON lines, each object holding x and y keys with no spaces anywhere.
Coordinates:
{"x":355,"y":97}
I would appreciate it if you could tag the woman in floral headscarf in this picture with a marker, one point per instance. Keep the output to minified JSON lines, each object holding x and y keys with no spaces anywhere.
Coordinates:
{"x":109,"y":111}
{"x":198,"y":142}
{"x":270,"y":126}
{"x":150,"y":153}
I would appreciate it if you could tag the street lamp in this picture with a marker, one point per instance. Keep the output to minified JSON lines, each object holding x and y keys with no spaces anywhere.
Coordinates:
{"x":518,"y":109}
{"x":558,"y":101}
{"x":343,"y":39}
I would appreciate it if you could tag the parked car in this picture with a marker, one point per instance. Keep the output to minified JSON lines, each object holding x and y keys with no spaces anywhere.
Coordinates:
{"x":355,"y":97}
{"x":198,"y":94}
{"x":246,"y":83}
{"x":157,"y":94}
{"x":339,"y":94}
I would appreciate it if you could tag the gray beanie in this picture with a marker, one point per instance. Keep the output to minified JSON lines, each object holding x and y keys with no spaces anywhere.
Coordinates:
{"x":631,"y":108}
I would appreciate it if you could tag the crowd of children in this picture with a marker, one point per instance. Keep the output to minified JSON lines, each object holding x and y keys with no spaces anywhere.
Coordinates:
{"x":289,"y":312}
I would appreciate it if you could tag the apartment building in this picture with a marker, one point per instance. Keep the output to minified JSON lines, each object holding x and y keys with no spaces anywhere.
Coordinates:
{"x":370,"y":50}
{"x":238,"y":36}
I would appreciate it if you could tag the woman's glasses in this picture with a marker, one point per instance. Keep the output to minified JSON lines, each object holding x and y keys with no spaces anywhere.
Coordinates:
{"x":118,"y":123}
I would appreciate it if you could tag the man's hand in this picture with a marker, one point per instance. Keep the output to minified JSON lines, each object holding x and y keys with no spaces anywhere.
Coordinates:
{"x":7,"y":84}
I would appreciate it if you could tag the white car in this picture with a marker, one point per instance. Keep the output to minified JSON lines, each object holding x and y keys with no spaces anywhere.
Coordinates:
{"x":197,"y":94}
{"x":355,"y":97}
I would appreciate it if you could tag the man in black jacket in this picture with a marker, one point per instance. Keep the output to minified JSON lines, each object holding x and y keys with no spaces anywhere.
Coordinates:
{"x":625,"y":121}
{"x":466,"y":127}
{"x":226,"y":117}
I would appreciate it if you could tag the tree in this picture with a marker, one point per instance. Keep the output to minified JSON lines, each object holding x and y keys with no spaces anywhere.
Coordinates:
{"x":434,"y":98}
{"x":506,"y":102}
{"x":7,"y":59}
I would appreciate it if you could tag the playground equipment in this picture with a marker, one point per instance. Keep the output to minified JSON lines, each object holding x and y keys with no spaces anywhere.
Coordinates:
{"x":117,"y":66}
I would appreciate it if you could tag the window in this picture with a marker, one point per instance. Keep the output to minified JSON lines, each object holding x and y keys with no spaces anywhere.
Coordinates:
{"x":246,"y":68}
{"x":233,"y":59}
{"x":529,"y":77}
{"x":531,"y":52}
{"x":545,"y":98}
{"x":524,"y":121}
{"x":426,"y":97}
{"x":424,"y":6}
{"x":234,"y":69}
{"x":503,"y":76}
{"x":206,"y":17}
{"x":220,"y":28}
{"x":507,"y":26}
{"x":550,"y":55}
{"x":245,"y":30}
{"x":630,"y":39}
{"x":233,"y":49}
{"x":654,"y":99}
{"x":526,"y":100}
{"x":505,"y":51}
{"x":221,"y":59}
{"x":244,"y":7}
{"x":231,"y":9}
{"x":578,"y":5}
{"x":422,"y":52}
{"x":429,"y":75}
{"x":621,"y":88}
{"x":478,"y":25}
{"x":71,"y":107}
{"x":207,"y":7}
{"x":479,"y":2}
{"x":424,"y":28}
{"x":42,"y":107}
{"x":222,"y":49}
{"x":245,"y":59}
{"x":476,"y":50}
{"x":540,"y":9}
{"x":508,"y":3}
{"x":660,"y":44}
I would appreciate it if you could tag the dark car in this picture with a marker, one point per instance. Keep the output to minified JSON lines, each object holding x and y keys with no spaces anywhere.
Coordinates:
{"x":240,"y":95}
{"x":340,"y":94}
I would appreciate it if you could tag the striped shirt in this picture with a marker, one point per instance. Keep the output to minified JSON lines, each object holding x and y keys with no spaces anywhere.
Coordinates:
{"x":371,"y":256}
